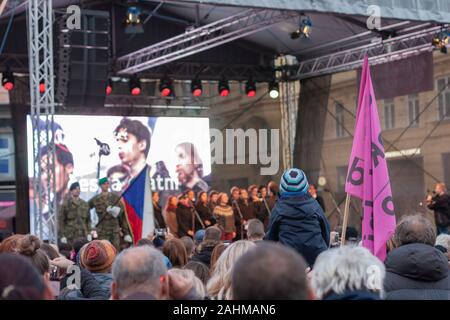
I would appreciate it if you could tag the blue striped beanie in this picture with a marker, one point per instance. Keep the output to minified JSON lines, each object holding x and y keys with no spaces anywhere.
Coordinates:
{"x":293,"y":182}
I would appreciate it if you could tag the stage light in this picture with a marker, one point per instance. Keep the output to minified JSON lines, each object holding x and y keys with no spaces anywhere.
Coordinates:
{"x":224,"y":88}
{"x":42,"y":86}
{"x":165,"y":87}
{"x":196,"y":88}
{"x":304,"y":29}
{"x":441,"y":41}
{"x":8,"y":81}
{"x":250,"y":88}
{"x":274,"y":90}
{"x":109,"y":87}
{"x":133,"y":21}
{"x":135,"y":87}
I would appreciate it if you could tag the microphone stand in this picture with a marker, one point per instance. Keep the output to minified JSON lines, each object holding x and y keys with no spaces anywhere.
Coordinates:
{"x":195,"y":215}
{"x":234,"y":203}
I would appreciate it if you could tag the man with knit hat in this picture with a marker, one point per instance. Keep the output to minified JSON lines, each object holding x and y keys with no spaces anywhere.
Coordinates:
{"x":297,"y":220}
{"x":74,"y":218}
{"x":98,"y":256}
{"x":112,"y":223}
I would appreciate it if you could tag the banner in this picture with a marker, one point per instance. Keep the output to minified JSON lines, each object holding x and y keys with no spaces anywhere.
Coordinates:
{"x":368,"y":177}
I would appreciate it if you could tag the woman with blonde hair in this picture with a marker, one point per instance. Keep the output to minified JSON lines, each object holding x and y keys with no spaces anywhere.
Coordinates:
{"x":219,"y":286}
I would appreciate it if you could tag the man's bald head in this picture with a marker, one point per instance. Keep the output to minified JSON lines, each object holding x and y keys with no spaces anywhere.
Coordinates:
{"x":138,"y":269}
{"x":270,"y":271}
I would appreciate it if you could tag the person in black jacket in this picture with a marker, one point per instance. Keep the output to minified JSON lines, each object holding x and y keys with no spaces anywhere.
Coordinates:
{"x":415,"y":269}
{"x":157,"y":212}
{"x":440,"y":203}
{"x":185,"y":217}
{"x":206,"y":247}
{"x":238,"y":216}
{"x":203,"y":209}
{"x":297,"y":220}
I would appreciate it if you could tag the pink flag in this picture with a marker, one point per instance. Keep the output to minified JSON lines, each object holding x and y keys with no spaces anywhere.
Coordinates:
{"x":368,"y":177}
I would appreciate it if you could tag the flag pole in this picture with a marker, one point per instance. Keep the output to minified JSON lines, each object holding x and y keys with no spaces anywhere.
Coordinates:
{"x":345,"y":222}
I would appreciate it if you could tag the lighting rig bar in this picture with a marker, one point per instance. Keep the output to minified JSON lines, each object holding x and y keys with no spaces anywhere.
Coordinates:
{"x":391,"y":49}
{"x":203,"y":38}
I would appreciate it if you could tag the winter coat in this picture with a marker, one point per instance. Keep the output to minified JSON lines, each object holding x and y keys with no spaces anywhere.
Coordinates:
{"x":204,"y":255}
{"x":417,"y":271}
{"x":353,"y":295}
{"x":184,"y":220}
{"x":298,"y":221}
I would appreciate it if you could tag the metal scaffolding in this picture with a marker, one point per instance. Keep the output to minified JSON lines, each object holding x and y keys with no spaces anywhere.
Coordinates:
{"x":40,"y":55}
{"x":203,"y":38}
{"x":391,"y":49}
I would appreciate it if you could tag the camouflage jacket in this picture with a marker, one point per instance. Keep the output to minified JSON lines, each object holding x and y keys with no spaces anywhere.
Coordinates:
{"x":74,"y":219}
{"x":106,"y":220}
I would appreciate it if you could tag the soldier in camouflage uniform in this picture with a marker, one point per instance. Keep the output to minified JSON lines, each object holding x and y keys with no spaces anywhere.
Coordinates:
{"x":74,"y":218}
{"x":110,"y":226}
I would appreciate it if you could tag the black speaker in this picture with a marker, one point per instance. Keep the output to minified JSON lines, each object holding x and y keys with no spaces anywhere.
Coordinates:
{"x":83,"y":60}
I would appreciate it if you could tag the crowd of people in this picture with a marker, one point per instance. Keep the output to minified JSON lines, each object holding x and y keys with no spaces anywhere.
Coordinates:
{"x":267,"y":242}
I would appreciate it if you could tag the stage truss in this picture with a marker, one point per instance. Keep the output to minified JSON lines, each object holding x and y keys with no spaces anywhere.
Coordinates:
{"x":42,"y":105}
{"x":202,"y":38}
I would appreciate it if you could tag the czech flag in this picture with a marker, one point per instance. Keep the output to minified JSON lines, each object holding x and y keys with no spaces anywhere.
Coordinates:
{"x":138,"y":205}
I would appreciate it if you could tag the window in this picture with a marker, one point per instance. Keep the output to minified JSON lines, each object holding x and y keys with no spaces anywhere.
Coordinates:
{"x":389,"y":114}
{"x":413,"y":109}
{"x":340,"y":132}
{"x":444,"y":98}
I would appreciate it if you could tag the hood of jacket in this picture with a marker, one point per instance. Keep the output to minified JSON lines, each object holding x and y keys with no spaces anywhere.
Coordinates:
{"x":418,"y":261}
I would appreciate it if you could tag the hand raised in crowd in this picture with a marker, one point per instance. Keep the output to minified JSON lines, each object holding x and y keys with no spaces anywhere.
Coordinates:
{"x":62,"y":263}
{"x":190,"y":233}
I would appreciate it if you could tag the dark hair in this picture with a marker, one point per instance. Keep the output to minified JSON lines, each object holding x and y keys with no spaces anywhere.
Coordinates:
{"x":29,"y":246}
{"x":201,"y":270}
{"x":20,"y":280}
{"x":63,"y":154}
{"x":175,"y":250}
{"x":118,"y":168}
{"x":273,"y":187}
{"x":262,"y":187}
{"x":49,"y":251}
{"x":136,"y":128}
{"x":78,"y":243}
{"x":144,"y":242}
{"x":168,"y":205}
{"x":191,"y":150}
{"x":269,"y":272}
{"x":414,"y":229}
{"x":200,"y":195}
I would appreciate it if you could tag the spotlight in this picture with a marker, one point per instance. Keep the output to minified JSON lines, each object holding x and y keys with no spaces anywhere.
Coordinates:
{"x":250,"y":88}
{"x":304,"y":29}
{"x":224,"y":88}
{"x":196,"y":88}
{"x":109,"y":87}
{"x":42,"y":86}
{"x":133,"y":21}
{"x":8,"y":81}
{"x":274,"y":90}
{"x":135,"y":87}
{"x":165,"y":87}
